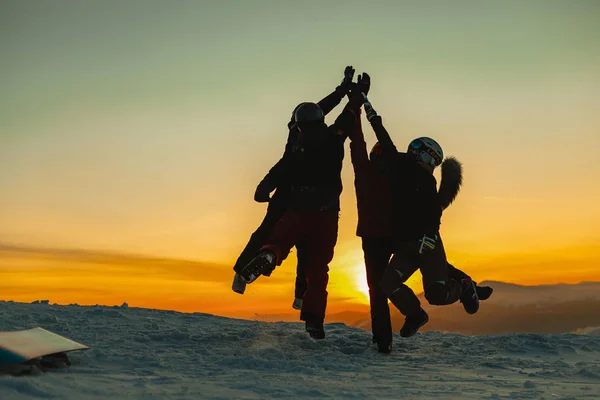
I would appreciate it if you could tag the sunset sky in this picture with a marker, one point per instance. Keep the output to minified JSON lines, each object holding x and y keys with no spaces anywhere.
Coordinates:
{"x":133,"y":134}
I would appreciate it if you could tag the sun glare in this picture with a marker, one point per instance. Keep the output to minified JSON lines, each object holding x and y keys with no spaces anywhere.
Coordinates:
{"x":361,"y":282}
{"x":362,"y":287}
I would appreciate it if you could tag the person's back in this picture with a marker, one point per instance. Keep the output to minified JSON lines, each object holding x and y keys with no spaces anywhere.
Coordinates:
{"x":312,"y":168}
{"x":277,"y":204}
{"x":373,"y":192}
{"x":318,"y":163}
{"x":417,"y":209}
{"x":315,"y":173}
{"x":313,"y":163}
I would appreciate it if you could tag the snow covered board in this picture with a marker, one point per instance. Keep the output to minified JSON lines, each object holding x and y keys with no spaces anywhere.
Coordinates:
{"x":21,"y":346}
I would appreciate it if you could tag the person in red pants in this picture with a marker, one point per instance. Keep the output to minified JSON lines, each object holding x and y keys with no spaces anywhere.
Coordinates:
{"x":312,"y":167}
{"x":277,"y":203}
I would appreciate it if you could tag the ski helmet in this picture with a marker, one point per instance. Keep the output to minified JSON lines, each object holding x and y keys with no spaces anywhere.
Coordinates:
{"x":427,"y":150}
{"x":309,"y":113}
{"x":294,"y":111}
{"x":376,"y":152}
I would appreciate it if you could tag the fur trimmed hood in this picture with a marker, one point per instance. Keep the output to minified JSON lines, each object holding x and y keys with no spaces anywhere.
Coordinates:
{"x":451,"y":181}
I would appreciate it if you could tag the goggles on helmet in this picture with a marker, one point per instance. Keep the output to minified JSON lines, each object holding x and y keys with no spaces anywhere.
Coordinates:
{"x":425,"y":153}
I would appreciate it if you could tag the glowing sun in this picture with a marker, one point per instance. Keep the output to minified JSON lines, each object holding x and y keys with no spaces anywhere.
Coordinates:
{"x":361,"y":282}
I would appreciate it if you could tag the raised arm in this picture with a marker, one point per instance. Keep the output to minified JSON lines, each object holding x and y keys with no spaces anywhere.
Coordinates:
{"x":346,"y":121}
{"x":333,"y":99}
{"x":383,"y":137}
{"x":358,"y":147}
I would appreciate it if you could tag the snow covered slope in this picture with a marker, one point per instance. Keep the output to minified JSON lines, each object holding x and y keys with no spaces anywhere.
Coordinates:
{"x":149,"y":354}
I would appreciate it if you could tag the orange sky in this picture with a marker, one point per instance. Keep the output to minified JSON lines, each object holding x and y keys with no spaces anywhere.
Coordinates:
{"x":84,"y":277}
{"x":89,"y":277}
{"x":143,"y":128}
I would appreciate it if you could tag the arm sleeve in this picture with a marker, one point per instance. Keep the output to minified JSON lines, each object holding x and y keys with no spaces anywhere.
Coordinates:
{"x":345,"y":122}
{"x":383,"y":137}
{"x":277,"y":174}
{"x":358,"y":147}
{"x":331,"y":101}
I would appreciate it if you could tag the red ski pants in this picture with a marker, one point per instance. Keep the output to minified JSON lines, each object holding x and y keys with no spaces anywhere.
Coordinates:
{"x":318,"y":232}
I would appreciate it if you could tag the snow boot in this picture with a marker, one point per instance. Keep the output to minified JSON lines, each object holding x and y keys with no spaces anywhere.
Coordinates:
{"x":385,"y":348}
{"x":238,"y":285}
{"x":468,"y":297}
{"x":483,"y":292}
{"x":262,"y":264}
{"x":315,"y":329}
{"x":412,"y":323}
{"x":297,"y":304}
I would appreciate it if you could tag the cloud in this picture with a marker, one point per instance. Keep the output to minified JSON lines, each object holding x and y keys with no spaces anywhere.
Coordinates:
{"x":82,"y":263}
{"x":514,"y":199}
{"x":79,"y":262}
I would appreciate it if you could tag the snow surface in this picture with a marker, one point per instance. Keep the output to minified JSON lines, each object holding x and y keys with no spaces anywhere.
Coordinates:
{"x":149,"y":354}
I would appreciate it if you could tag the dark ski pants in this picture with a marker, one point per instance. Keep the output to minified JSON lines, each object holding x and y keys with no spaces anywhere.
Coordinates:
{"x":441,"y":283}
{"x":377,"y":251}
{"x":318,"y":232}
{"x":257,"y":240}
{"x":301,"y":286}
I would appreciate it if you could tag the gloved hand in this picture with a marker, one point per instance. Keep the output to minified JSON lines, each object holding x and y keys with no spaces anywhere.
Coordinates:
{"x":356,"y":94}
{"x":427,"y":243}
{"x":369,"y":111}
{"x":346,"y":84}
{"x":363,"y":83}
{"x":263,"y":192}
{"x":355,"y":98}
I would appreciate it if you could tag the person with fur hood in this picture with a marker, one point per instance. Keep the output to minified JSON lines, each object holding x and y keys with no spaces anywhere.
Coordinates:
{"x":416,"y":210}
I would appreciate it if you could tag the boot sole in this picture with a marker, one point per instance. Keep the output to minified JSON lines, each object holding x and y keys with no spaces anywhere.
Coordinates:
{"x":384,"y":349}
{"x":486,"y":296}
{"x":239,"y":287}
{"x":297,"y":304}
{"x":416,"y":330}
{"x":471,"y":306}
{"x":318,"y":335}
{"x":239,"y":291}
{"x":254,"y":269}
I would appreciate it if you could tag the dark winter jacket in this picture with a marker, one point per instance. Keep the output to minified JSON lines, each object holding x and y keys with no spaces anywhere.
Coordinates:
{"x":313,"y":170}
{"x":373,"y":193}
{"x":416,"y":206}
{"x":281,"y":196}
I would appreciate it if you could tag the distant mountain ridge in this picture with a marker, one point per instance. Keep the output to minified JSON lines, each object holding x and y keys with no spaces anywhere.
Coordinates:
{"x":510,"y":293}
{"x":513,"y":308}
